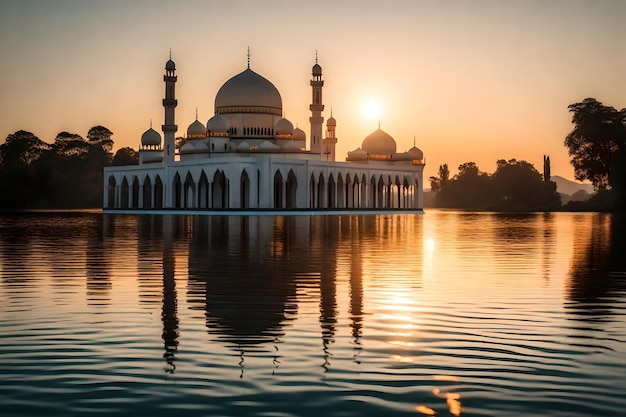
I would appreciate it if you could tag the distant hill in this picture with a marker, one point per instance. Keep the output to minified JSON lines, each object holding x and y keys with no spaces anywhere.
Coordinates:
{"x":570,"y":187}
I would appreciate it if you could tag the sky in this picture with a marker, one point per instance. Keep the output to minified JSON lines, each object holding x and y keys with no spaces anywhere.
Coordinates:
{"x":468,"y":81}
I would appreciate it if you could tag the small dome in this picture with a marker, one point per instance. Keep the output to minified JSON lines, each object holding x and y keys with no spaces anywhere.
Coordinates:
{"x":331,"y":121}
{"x":358,"y":153}
{"x":151,"y":138}
{"x":283,"y":127}
{"x":317,"y":70}
{"x":170,"y":65}
{"x":243,"y":146}
{"x":201,"y":146}
{"x":196,"y":129}
{"x":415,"y":153}
{"x":187,"y":148}
{"x":379,"y":142}
{"x":298,"y":134}
{"x":218,"y":124}
{"x":292,"y":146}
{"x":268,"y":146}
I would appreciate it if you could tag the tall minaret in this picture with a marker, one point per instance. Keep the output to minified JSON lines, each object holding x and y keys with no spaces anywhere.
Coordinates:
{"x":169,"y":102}
{"x":316,"y":107}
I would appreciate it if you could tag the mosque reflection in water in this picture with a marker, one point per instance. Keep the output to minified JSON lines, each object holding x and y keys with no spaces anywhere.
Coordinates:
{"x":246,"y":273}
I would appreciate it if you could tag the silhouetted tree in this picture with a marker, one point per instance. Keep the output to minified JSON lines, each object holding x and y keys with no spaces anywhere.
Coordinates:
{"x":22,"y":147}
{"x":520,"y":187}
{"x":436,"y":183}
{"x":35,"y":174}
{"x":125,"y":156}
{"x":597,"y":144}
{"x":515,"y":186}
{"x":69,"y":144}
{"x":470,"y":188}
{"x":102,"y":135}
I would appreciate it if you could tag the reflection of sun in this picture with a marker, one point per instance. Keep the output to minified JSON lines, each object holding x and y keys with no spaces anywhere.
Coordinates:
{"x":371,"y":109}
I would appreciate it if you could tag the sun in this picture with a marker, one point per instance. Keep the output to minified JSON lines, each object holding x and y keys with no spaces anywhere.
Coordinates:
{"x":371,"y":109}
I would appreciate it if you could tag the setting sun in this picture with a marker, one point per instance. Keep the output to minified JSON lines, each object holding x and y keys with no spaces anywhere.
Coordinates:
{"x":371,"y":109}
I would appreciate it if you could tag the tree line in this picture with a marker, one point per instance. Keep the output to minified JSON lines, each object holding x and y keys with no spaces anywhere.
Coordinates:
{"x":514,"y":186}
{"x":65,"y":174}
{"x":597,"y":147}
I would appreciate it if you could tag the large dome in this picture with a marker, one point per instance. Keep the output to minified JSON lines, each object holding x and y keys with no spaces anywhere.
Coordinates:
{"x":248,"y":92}
{"x":379,"y":142}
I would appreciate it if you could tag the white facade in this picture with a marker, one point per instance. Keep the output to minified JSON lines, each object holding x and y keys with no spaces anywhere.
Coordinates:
{"x":249,"y":157}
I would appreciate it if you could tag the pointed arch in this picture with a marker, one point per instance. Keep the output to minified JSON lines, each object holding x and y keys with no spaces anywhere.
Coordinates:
{"x":373,"y":191}
{"x":124,"y":197}
{"x":158,"y":192}
{"x":332,"y":192}
{"x":380,"y":191}
{"x":219,"y":190}
{"x":363,"y":191}
{"x":111,"y":188}
{"x":341,"y":203}
{"x":189,"y":196}
{"x":292,"y":189}
{"x":176,"y":191}
{"x":244,"y":190}
{"x":321,"y":191}
{"x":278,"y":189}
{"x":312,"y":190}
{"x":146,"y":195}
{"x":134,"y":200}
{"x":355,"y":191}
{"x":348,"y":192}
{"x":203,"y":191}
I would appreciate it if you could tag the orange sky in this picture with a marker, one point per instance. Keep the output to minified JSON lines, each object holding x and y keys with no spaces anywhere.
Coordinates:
{"x":470,"y":80}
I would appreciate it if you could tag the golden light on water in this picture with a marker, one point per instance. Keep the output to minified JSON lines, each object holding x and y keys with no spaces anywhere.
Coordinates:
{"x":425,"y":410}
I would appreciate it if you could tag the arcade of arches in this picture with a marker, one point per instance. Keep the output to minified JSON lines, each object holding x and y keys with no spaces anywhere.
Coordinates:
{"x":335,"y":190}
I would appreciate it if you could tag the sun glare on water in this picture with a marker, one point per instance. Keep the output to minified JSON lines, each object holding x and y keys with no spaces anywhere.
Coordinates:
{"x":371,"y":109}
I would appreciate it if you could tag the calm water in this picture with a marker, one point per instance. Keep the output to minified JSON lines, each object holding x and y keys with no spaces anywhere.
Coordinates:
{"x":447,"y":313}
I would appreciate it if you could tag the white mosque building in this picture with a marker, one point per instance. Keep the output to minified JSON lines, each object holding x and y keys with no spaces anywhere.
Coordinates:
{"x":248,"y":156}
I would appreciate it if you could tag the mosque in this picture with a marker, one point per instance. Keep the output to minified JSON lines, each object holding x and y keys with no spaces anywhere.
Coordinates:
{"x":248,"y":156}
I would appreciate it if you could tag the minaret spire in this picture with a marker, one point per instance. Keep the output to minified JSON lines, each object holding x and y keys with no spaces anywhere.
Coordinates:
{"x":196,"y":113}
{"x":248,"y":56}
{"x":316,"y":107}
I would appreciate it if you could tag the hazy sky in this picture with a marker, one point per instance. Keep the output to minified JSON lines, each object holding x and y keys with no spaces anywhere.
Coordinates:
{"x":470,"y":80}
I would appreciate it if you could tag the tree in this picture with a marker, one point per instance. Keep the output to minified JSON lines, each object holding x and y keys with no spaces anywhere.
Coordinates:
{"x":125,"y":156}
{"x":18,"y":178}
{"x":597,"y":143}
{"x":436,"y":183}
{"x":22,"y":147}
{"x":100,"y":135}
{"x":519,"y":186}
{"x":70,"y":144}
{"x":470,"y":188}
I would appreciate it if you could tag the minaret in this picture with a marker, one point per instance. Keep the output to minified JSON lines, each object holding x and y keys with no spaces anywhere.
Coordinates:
{"x":330,"y":140}
{"x":169,"y":102}
{"x":316,"y":107}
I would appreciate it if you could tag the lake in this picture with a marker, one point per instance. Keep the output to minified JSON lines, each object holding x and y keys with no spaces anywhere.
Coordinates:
{"x":446,"y":313}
